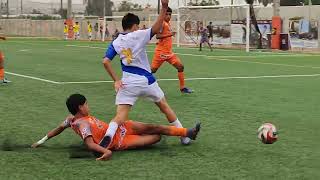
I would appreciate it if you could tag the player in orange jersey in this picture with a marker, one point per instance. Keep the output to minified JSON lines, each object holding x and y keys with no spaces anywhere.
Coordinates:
{"x":130,"y":135}
{"x":163,"y":52}
{"x":3,"y":80}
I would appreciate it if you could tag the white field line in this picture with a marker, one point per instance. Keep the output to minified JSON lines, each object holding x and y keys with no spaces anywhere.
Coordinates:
{"x":265,"y":63}
{"x":207,"y":56}
{"x":187,"y":79}
{"x":34,"y":78}
{"x":186,"y":48}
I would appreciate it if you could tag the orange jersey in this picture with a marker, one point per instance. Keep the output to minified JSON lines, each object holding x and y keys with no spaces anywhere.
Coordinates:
{"x":165,"y":44}
{"x":91,"y":126}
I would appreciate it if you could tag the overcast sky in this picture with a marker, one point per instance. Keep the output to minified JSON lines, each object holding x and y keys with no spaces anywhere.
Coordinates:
{"x":152,"y":2}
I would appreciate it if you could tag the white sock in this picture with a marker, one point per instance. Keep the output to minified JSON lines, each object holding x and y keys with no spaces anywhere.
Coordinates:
{"x":176,"y":123}
{"x":113,"y":126}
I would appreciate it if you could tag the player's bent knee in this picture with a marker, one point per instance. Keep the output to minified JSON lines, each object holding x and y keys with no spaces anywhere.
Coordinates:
{"x":180,"y":68}
{"x":154,"y":70}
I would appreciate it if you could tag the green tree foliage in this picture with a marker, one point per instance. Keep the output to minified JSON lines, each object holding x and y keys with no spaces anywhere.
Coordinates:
{"x":95,"y":7}
{"x":128,"y":6}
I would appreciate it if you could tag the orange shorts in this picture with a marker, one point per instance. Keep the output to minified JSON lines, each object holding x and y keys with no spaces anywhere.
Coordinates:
{"x":160,"y":57}
{"x":124,"y":135}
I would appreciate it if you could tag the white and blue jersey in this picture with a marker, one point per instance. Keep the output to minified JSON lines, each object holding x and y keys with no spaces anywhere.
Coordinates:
{"x":131,"y":48}
{"x":137,"y":78}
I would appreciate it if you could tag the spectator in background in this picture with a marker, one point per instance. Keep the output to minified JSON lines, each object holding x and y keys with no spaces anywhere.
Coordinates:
{"x":89,"y":28}
{"x":144,"y":27}
{"x":76,"y":30}
{"x":96,"y":30}
{"x":66,"y":31}
{"x":115,"y":34}
{"x":210,"y":29}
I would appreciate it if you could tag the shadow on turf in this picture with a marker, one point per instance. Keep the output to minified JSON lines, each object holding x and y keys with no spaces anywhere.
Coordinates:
{"x":80,"y":151}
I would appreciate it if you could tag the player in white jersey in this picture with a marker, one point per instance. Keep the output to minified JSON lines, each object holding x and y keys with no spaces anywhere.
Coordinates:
{"x":137,"y":79}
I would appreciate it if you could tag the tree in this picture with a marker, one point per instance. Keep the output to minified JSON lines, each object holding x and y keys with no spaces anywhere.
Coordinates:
{"x":95,"y":7}
{"x":254,"y":21}
{"x":124,"y":6}
{"x":265,"y":2}
{"x":298,"y":2}
{"x":128,"y":6}
{"x":313,"y":2}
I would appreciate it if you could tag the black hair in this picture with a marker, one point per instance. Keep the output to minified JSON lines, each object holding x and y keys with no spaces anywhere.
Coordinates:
{"x":74,"y":101}
{"x":169,"y":10}
{"x":129,"y":20}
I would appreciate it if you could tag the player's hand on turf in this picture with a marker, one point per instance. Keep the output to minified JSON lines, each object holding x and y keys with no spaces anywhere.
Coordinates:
{"x":165,"y":3}
{"x":106,"y":156}
{"x":117,"y":85}
{"x":35,"y":145}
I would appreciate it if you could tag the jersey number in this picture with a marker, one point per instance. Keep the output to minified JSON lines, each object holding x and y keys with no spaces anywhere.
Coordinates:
{"x":127,"y":54}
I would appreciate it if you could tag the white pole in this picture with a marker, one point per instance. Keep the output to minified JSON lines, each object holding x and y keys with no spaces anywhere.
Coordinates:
{"x":104,"y":21}
{"x":104,"y":28}
{"x":178,"y":26}
{"x":248,"y":30}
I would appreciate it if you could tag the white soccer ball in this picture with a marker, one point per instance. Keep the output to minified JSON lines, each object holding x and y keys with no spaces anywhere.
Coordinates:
{"x":267,"y":133}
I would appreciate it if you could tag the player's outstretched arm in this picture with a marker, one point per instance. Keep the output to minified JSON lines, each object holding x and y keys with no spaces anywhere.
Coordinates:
{"x":157,"y":25}
{"x":54,"y":132}
{"x":105,"y":153}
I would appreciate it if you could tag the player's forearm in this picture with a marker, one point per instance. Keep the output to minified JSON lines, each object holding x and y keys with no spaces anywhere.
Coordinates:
{"x":92,"y":146}
{"x":109,"y":69}
{"x":96,"y":148}
{"x":52,"y":133}
{"x":160,"y":36}
{"x":56,"y":131}
{"x":157,"y":25}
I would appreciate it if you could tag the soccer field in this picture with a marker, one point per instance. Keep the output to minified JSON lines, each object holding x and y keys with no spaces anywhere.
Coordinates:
{"x":235,"y":92}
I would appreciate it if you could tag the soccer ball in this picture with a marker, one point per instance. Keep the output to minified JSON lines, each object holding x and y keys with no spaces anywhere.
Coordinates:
{"x":267,"y":133}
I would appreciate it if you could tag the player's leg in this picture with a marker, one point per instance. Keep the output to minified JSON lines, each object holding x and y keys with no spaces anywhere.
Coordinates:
{"x":209,"y":45}
{"x":2,"y":78}
{"x":171,"y":117}
{"x":200,"y":46}
{"x":138,"y":141}
{"x":176,"y":62}
{"x":126,"y":97}
{"x":156,"y":62}
{"x":140,"y":128}
{"x":121,"y":116}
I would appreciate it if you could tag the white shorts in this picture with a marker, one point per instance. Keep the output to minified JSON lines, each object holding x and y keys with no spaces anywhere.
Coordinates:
{"x":129,"y":94}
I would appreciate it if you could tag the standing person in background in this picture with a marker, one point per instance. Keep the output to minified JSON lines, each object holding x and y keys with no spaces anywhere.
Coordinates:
{"x":101,"y":31}
{"x":89,"y":31}
{"x":96,"y":30}
{"x":65,"y":31}
{"x":204,"y":37}
{"x":210,"y":29}
{"x":76,"y":30}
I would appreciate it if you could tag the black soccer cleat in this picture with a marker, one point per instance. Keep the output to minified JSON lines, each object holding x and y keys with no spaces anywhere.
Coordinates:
{"x":105,"y":142}
{"x":193,"y":132}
